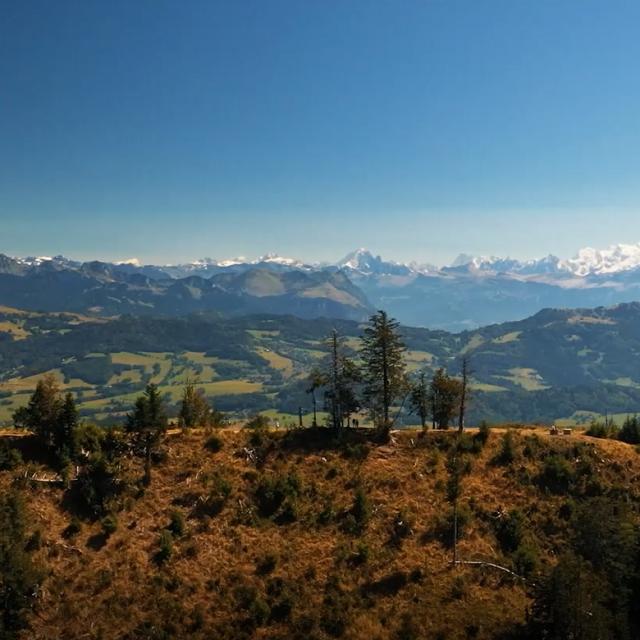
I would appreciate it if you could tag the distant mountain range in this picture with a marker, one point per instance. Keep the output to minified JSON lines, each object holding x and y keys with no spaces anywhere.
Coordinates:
{"x":471,"y":292}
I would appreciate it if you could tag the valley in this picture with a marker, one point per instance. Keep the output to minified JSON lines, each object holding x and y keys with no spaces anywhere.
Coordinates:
{"x":557,"y":365}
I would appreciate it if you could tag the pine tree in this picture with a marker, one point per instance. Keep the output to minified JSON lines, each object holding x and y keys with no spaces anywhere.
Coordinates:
{"x":316,"y":380}
{"x":19,"y":577}
{"x":342,"y":376}
{"x":42,"y":413}
{"x":194,"y":408}
{"x":444,"y":397}
{"x":339,"y":376}
{"x":383,"y":367}
{"x":68,"y":419}
{"x":420,"y":399}
{"x":148,"y":422}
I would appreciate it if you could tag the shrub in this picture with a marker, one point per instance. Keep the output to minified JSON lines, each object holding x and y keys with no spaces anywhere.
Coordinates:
{"x":444,"y":525}
{"x":35,"y":541}
{"x":557,"y":475}
{"x":10,"y":457}
{"x":98,"y":485}
{"x":510,"y":530}
{"x":598,"y":429}
{"x":109,"y":524}
{"x":165,"y":543}
{"x":258,"y":422}
{"x":401,"y":528}
{"x":335,"y":610}
{"x":507,"y":453}
{"x":484,"y":431}
{"x":176,"y":523}
{"x":532,"y":446}
{"x":19,"y":576}
{"x":249,"y":600}
{"x":356,"y":451}
{"x":213,"y":503}
{"x":357,"y":517}
{"x":213,"y":443}
{"x":326,"y":514}
{"x":408,"y":629}
{"x":468,"y":444}
{"x":282,"y":599}
{"x":276,"y":496}
{"x":388,"y":585}
{"x":525,"y":559}
{"x":266,"y":564}
{"x":630,"y":431}
{"x":361,"y":555}
{"x":458,"y":588}
{"x":73,"y":529}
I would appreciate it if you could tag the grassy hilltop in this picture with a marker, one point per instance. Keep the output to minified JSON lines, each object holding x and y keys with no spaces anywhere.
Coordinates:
{"x":296,"y":535}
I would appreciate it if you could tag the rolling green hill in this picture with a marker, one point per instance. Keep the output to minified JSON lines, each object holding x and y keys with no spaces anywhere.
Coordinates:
{"x":556,"y":364}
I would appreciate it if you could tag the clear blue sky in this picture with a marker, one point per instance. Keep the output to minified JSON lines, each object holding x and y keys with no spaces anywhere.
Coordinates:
{"x":421,"y":129}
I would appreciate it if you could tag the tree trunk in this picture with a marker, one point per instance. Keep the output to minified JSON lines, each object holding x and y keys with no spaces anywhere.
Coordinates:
{"x":463,"y":395}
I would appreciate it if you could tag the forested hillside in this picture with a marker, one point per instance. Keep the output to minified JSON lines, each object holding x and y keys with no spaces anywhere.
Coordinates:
{"x":557,"y":364}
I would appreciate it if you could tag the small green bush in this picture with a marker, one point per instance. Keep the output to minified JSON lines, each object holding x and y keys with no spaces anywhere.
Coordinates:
{"x":357,"y":451}
{"x":73,"y":529}
{"x":525,"y":559}
{"x":176,"y":523}
{"x":444,"y":525}
{"x":510,"y":530}
{"x":357,"y":517}
{"x":276,"y":495}
{"x":213,"y":443}
{"x":258,"y":422}
{"x":402,"y":527}
{"x":109,"y":524}
{"x":10,"y":457}
{"x":266,"y":564}
{"x":484,"y":431}
{"x":557,"y":475}
{"x":361,"y":555}
{"x":507,"y":453}
{"x":165,"y":544}
{"x":213,"y":503}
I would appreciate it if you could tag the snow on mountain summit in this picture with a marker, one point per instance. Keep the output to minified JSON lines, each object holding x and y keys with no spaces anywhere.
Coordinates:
{"x":613,"y":259}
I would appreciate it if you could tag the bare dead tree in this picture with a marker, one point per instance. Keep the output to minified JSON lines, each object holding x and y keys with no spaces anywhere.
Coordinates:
{"x":464,"y":395}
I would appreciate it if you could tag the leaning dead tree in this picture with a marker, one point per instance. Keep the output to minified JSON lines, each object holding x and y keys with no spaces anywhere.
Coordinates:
{"x":458,"y":467}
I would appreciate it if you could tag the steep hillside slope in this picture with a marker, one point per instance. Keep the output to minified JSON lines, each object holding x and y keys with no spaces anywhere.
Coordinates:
{"x":296,"y":536}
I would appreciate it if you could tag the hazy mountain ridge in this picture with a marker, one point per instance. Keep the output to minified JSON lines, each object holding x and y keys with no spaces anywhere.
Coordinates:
{"x":110,"y":289}
{"x":472,"y":292}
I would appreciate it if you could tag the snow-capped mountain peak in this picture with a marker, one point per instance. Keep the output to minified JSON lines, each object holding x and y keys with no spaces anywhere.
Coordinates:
{"x":364,"y":262}
{"x":613,"y":259}
{"x":359,"y":259}
{"x":274,"y":258}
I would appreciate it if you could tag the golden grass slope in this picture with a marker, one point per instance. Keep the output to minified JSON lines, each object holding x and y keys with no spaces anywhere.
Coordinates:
{"x":119,"y":591}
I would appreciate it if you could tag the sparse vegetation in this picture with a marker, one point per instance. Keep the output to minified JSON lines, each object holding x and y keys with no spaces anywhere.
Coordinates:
{"x":364,"y":545}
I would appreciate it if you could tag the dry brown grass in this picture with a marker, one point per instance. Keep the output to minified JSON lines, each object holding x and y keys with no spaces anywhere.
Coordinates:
{"x":119,"y":591}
